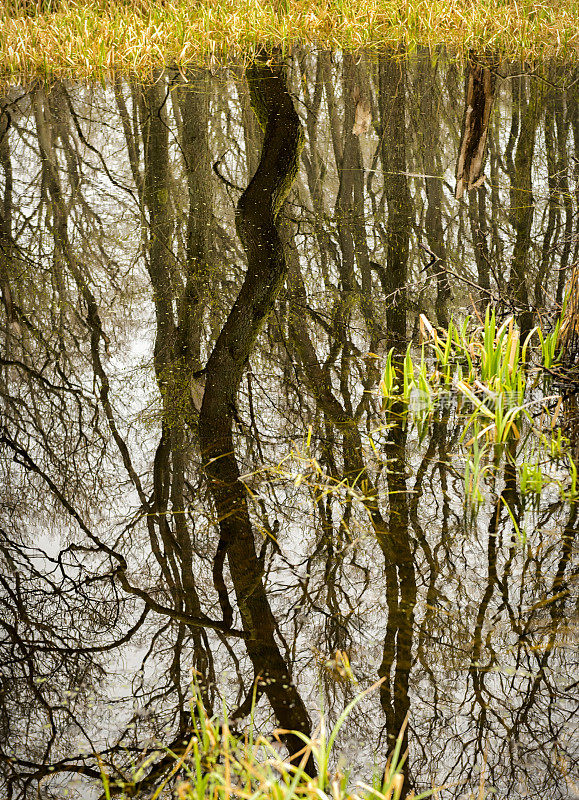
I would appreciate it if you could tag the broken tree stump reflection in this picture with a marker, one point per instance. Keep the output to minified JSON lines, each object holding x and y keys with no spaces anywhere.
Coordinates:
{"x":480,"y":86}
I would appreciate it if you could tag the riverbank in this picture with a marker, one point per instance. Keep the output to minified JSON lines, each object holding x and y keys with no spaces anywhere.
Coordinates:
{"x":95,"y":39}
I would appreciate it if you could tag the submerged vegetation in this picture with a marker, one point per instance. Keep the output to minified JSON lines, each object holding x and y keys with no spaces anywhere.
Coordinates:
{"x":93,"y":39}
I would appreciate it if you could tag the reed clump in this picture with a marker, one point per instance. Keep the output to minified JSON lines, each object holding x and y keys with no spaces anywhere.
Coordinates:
{"x":492,"y":381}
{"x":216,"y":763}
{"x":94,"y":39}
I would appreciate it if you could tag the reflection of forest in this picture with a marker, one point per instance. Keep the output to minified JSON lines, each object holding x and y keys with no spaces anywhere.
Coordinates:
{"x":169,"y":338}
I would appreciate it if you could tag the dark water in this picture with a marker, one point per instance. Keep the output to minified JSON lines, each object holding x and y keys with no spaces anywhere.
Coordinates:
{"x":294,"y":520}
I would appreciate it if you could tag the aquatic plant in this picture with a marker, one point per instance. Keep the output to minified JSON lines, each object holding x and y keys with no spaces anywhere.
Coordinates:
{"x":488,"y":370}
{"x":532,"y":479}
{"x":216,"y":762}
{"x":388,"y":386}
{"x":549,"y":350}
{"x":476,"y":466}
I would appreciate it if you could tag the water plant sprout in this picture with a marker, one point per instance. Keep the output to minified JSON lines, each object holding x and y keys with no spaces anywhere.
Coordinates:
{"x":491,"y":377}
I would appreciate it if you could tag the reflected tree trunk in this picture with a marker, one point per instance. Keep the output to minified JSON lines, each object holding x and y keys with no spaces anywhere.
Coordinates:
{"x":400,"y":595}
{"x":479,"y":95}
{"x":392,"y":105}
{"x":522,"y":205}
{"x":257,"y":213}
{"x":193,"y":98}
{"x":433,"y":172}
{"x":6,"y":242}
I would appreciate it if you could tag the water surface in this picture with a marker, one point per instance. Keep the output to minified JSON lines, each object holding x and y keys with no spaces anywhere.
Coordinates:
{"x":293,"y":524}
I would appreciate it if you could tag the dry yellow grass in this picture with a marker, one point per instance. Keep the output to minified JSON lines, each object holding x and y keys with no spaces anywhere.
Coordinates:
{"x":91,"y":39}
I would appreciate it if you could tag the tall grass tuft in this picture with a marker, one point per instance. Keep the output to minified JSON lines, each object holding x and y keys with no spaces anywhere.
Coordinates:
{"x":218,"y":764}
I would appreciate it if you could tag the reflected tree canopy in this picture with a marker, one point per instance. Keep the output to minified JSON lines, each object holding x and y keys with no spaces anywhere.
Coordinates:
{"x":201,"y":278}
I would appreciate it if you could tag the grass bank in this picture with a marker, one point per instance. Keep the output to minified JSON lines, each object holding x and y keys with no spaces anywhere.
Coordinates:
{"x":92,"y":38}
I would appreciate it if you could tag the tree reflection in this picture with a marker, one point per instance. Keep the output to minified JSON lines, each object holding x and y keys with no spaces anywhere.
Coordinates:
{"x":198,"y":473}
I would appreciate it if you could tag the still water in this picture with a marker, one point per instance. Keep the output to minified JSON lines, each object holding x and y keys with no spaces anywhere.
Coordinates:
{"x":200,"y":476}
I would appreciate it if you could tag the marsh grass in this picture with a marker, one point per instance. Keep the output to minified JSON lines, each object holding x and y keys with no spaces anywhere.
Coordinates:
{"x":98,"y":38}
{"x":491,"y":376}
{"x":218,"y":764}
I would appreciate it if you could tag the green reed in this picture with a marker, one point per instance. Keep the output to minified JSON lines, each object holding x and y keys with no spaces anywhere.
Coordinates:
{"x":550,"y":352}
{"x":219,"y":764}
{"x":490,"y":372}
